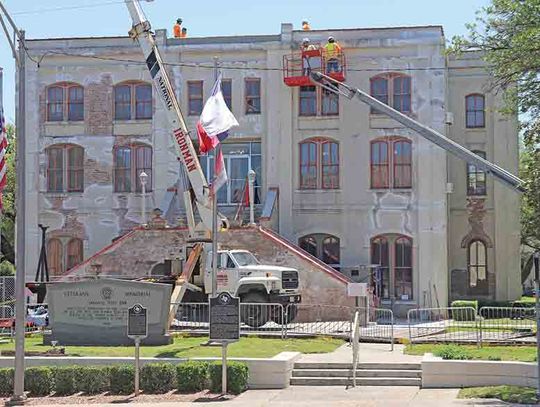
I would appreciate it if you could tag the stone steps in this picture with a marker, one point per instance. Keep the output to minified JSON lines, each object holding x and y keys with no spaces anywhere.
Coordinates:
{"x":367,"y":374}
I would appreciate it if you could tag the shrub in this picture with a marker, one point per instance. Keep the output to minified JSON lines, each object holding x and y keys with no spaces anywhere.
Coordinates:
{"x":122,"y":379}
{"x":64,"y":380}
{"x":92,"y":379}
{"x":464,"y":314}
{"x":237,"y":377}
{"x":454,"y":352}
{"x":38,"y":380}
{"x":158,"y":377}
{"x":192,"y":376}
{"x":7,"y":269}
{"x":6,"y":381}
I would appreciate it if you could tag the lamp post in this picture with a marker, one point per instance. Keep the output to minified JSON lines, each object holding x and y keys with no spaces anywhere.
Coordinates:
{"x":251,"y":179}
{"x":143,"y":176}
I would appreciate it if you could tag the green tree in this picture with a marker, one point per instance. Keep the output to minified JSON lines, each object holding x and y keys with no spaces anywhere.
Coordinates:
{"x":8,"y":212}
{"x":507,"y":32}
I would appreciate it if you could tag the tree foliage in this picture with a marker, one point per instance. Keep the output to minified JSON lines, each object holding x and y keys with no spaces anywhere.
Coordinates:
{"x":8,"y":213}
{"x":507,"y":32}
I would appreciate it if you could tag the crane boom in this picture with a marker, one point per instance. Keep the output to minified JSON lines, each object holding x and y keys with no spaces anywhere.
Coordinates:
{"x":141,"y":31}
{"x":428,"y":133}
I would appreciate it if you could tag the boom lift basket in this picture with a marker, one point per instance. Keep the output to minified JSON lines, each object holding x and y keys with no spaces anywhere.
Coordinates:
{"x":298,"y":64}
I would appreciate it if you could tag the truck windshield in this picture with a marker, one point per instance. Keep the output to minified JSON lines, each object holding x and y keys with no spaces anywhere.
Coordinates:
{"x":245,"y":258}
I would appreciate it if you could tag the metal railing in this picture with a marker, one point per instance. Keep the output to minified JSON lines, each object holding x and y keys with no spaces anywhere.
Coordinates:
{"x":274,"y":319}
{"x":465,"y":325}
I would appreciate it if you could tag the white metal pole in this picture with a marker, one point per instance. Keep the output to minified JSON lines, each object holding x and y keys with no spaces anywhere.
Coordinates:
{"x":143,"y":178}
{"x":251,"y":187}
{"x":20,"y":306}
{"x":214,"y":211}
{"x":137,"y":363}
{"x":224,"y":368}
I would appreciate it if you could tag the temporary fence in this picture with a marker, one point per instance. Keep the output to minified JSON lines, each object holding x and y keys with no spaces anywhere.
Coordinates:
{"x":294,"y":320}
{"x":465,"y":325}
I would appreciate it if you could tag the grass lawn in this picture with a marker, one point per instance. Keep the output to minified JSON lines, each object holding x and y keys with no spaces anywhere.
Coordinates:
{"x":517,"y":353}
{"x":510,"y":394}
{"x":254,"y":347}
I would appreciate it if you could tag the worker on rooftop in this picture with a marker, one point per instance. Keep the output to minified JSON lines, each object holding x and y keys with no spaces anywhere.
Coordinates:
{"x":332,"y":52}
{"x":177,"y":29}
{"x":305,"y":25}
{"x":184,"y":33}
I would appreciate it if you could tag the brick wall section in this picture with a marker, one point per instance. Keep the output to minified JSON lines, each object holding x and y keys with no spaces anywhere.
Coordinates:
{"x":135,"y":256}
{"x":98,"y":106}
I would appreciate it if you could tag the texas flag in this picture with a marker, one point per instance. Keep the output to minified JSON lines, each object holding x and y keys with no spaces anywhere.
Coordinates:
{"x":215,"y":121}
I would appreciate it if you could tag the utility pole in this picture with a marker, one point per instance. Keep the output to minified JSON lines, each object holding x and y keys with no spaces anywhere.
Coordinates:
{"x":214,"y":209}
{"x":20,"y":244}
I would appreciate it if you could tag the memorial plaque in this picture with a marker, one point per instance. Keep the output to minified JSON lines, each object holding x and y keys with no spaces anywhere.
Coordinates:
{"x":95,"y":312}
{"x":137,"y":322}
{"x":224,"y":318}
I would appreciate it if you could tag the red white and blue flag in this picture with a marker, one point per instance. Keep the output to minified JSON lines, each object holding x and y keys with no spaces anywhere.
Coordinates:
{"x":3,"y":148}
{"x":215,"y":121}
{"x":220,"y":177}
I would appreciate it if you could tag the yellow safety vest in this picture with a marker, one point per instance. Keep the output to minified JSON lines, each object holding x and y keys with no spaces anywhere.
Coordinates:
{"x":332,"y":50}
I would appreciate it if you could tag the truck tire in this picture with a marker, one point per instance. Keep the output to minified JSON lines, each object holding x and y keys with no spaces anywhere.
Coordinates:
{"x":291,"y":310}
{"x":253,"y":315}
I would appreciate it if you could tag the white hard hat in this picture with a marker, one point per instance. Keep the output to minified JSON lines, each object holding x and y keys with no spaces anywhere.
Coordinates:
{"x":331,"y":38}
{"x":305,"y":40}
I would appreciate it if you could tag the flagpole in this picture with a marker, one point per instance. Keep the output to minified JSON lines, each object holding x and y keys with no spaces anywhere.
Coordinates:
{"x":214,"y":210}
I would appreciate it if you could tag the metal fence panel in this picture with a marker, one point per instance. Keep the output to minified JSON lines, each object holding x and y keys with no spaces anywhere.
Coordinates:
{"x":452,"y":324}
{"x":504,"y":324}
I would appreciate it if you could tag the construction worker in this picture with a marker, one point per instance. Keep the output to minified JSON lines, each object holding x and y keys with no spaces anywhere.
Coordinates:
{"x":332,"y":51}
{"x":307,"y":61}
{"x":184,"y":33}
{"x":177,"y":29}
{"x":305,"y":25}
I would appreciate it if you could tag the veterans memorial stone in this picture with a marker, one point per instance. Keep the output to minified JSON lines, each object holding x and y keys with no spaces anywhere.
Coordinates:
{"x":224,"y":318}
{"x":95,"y":312}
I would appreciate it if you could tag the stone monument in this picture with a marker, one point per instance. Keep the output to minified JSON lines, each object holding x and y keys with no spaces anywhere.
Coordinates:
{"x":95,"y":312}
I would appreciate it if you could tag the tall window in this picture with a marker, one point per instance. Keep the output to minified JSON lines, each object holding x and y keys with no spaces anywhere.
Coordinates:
{"x":324,"y":247}
{"x":62,"y":257}
{"x":65,"y":168}
{"x":238,"y":158}
{"x":391,"y":163}
{"x":392,"y":89}
{"x":65,"y":102}
{"x":393,"y":254}
{"x":253,"y":95}
{"x":319,"y":164}
{"x":476,"y":178}
{"x":195,"y":97}
{"x":315,"y":101}
{"x":129,"y":162}
{"x":133,"y":101}
{"x":475,"y":111}
{"x":226,"y":89}
{"x":477,"y":262}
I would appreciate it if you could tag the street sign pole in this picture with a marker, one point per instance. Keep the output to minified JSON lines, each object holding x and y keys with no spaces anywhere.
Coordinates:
{"x":137,"y":330}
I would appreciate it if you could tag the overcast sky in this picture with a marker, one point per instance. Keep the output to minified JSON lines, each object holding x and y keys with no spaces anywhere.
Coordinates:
{"x":66,"y":18}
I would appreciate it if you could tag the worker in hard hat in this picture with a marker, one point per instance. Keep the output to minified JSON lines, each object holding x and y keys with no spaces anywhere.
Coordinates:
{"x":305,"y":25}
{"x":332,"y":52}
{"x":177,"y":28}
{"x":184,"y":33}
{"x":307,"y":61}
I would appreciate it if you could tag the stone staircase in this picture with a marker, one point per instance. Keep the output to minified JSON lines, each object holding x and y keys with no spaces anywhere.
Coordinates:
{"x":367,"y":374}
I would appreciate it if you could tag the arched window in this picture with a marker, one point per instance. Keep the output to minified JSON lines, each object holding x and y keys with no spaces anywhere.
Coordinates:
{"x":394,"y":278}
{"x":65,"y":168}
{"x":382,"y":161}
{"x":133,"y":101}
{"x":129,"y":162}
{"x":54,"y":257}
{"x":324,"y":247}
{"x":477,"y":262}
{"x":393,"y":89}
{"x":319,"y":164}
{"x":65,"y":102}
{"x":476,"y":178}
{"x":74,"y":253}
{"x":475,"y":111}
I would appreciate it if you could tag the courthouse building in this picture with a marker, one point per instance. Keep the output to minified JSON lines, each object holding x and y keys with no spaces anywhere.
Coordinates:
{"x":348,"y":185}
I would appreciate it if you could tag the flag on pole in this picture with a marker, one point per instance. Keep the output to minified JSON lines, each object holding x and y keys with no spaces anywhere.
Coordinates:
{"x":220,"y":174}
{"x":215,"y":121}
{"x":3,"y":148}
